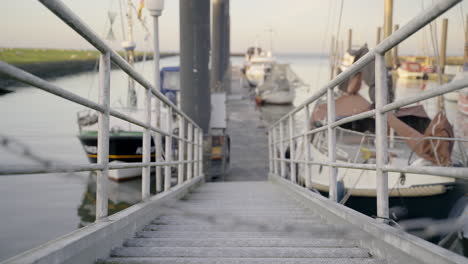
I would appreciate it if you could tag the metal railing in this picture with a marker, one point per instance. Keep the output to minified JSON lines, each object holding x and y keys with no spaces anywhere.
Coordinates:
{"x":190,"y":139}
{"x":277,"y":141}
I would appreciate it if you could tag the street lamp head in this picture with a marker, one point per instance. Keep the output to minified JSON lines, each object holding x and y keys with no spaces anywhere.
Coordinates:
{"x":155,"y":7}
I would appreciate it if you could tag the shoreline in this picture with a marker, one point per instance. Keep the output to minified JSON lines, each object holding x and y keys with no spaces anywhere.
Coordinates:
{"x":57,"y":69}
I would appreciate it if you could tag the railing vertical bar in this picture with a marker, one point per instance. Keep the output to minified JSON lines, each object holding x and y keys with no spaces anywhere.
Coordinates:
{"x":200,"y":153}
{"x":195,"y":152}
{"x":333,"y":191}
{"x":145,"y":177}
{"x":381,"y":95}
{"x":275,"y":152}
{"x":103,"y":137}
{"x":307,"y":166}
{"x":292,"y":149}
{"x":158,"y":145}
{"x":168,"y":152}
{"x":189,"y":150}
{"x":270,"y":152}
{"x":282,"y":152}
{"x":181,"y":168}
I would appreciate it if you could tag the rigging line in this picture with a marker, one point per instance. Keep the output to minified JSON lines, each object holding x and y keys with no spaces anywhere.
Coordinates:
{"x":324,"y":39}
{"x":338,"y":29}
{"x":122,"y":21}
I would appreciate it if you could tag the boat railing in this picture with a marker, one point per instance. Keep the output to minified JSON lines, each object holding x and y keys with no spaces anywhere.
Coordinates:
{"x":278,"y":139}
{"x":190,"y":137}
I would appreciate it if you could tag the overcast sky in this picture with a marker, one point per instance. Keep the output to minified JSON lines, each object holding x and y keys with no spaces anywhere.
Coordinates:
{"x":300,"y":26}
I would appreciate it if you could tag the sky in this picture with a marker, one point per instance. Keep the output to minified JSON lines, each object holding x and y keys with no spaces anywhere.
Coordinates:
{"x":300,"y":26}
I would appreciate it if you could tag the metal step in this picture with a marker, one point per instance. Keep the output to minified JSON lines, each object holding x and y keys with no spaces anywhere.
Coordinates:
{"x":240,"y":252}
{"x":242,"y":261}
{"x":239,"y":242}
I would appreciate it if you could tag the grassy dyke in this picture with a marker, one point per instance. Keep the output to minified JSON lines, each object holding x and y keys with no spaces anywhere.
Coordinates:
{"x":53,"y":63}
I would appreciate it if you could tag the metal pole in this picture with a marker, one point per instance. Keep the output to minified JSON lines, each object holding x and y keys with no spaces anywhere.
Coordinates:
{"x":145,"y":178}
{"x":282,"y":152}
{"x":443,"y":45}
{"x":381,"y":141}
{"x":333,"y":191}
{"x":157,"y":104}
{"x":189,"y":150}
{"x":103,"y":136}
{"x":181,"y":168}
{"x":292,"y":149}
{"x":350,"y":38}
{"x":308,"y":167}
{"x":379,"y":33}
{"x":388,"y":25}
{"x":168,"y":152}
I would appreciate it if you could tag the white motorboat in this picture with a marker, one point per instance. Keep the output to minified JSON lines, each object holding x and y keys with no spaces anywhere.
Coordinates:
{"x":258,"y":64}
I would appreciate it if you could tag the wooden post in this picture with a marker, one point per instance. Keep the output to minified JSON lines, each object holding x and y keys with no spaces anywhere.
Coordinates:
{"x":350,"y":38}
{"x":379,"y":36}
{"x":443,"y":45}
{"x":388,"y":22}
{"x":395,"y":58}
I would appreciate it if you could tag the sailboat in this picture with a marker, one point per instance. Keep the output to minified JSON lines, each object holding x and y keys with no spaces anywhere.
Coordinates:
{"x":125,"y":139}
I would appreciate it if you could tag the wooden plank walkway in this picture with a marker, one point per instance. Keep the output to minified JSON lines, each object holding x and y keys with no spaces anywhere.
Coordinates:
{"x":240,"y":222}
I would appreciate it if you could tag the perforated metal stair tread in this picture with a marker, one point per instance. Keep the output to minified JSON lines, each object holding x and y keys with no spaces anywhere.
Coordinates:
{"x":241,"y":222}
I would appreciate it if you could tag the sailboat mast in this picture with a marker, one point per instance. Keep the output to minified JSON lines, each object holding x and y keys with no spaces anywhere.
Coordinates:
{"x":129,"y":46}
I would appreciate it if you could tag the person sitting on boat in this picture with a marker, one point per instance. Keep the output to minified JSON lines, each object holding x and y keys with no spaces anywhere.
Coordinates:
{"x":367,"y":74}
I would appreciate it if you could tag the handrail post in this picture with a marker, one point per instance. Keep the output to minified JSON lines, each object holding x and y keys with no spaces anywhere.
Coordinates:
{"x":195,"y":152}
{"x":189,"y":150}
{"x":282,"y":156}
{"x":292,"y":149}
{"x":103,"y":136}
{"x":181,"y":168}
{"x":270,"y":152}
{"x":200,"y":154}
{"x":333,"y":191}
{"x":275,"y":153}
{"x":307,"y":155}
{"x":168,"y":152}
{"x":145,"y":178}
{"x":381,"y":95}
{"x":158,"y":146}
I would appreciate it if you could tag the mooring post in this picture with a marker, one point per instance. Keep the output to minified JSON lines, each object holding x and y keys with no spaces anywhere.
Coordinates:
{"x":332,"y":171}
{"x":292,"y":149}
{"x":307,"y":166}
{"x":388,"y":25}
{"x":395,"y":59}
{"x":381,"y":140}
{"x":103,"y":136}
{"x":155,"y":8}
{"x":378,"y":38}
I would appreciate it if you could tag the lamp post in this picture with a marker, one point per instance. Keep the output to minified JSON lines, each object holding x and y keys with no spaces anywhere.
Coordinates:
{"x":155,"y":8}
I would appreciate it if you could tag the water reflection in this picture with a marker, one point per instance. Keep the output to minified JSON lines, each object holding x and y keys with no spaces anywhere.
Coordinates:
{"x":121,"y":196}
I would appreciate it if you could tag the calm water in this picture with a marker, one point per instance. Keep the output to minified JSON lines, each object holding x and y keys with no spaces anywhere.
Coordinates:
{"x":39,"y":208}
